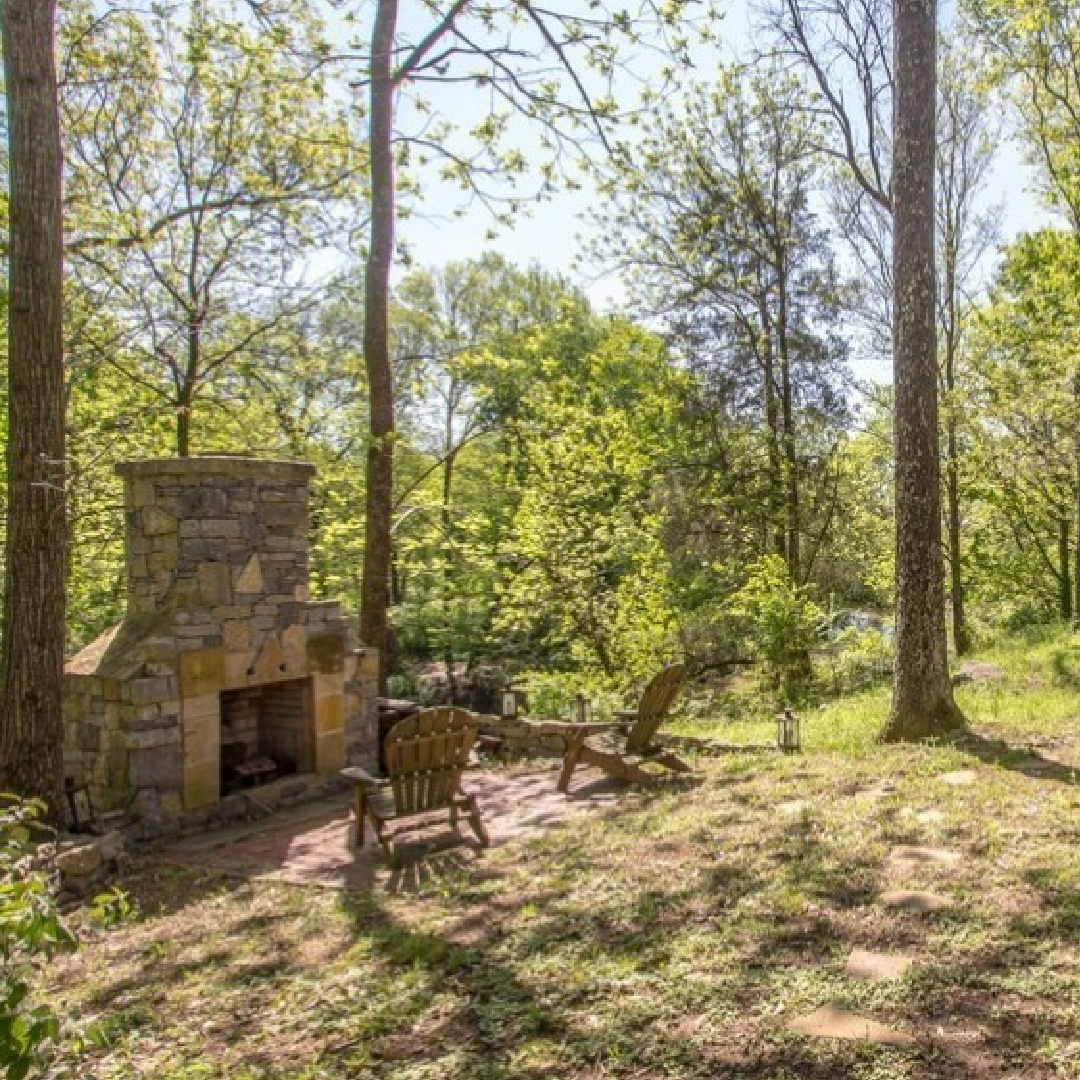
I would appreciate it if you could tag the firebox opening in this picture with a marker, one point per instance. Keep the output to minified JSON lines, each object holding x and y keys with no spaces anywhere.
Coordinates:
{"x":266,"y":733}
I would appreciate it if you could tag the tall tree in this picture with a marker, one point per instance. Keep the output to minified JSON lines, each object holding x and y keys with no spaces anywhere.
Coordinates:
{"x":206,"y":163}
{"x":966,"y":232}
{"x":32,"y":654}
{"x":709,"y":216}
{"x":1028,"y":415}
{"x":849,"y":49}
{"x":379,"y":506}
{"x":922,"y":693}
{"x":519,"y":55}
{"x":1037,"y":47}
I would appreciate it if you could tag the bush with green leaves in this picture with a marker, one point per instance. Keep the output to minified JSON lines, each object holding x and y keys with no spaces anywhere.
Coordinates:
{"x":859,"y":659}
{"x":31,"y":931}
{"x":113,"y":909}
{"x":780,"y":620}
{"x":551,"y":695}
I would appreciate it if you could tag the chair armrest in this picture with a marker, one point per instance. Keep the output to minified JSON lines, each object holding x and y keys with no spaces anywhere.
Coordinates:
{"x":361,"y":776}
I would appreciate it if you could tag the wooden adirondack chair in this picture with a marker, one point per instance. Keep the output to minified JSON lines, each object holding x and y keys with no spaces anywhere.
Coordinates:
{"x":622,"y":751}
{"x":425,"y":757}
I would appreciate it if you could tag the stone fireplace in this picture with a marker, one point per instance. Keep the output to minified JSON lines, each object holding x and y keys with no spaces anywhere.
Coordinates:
{"x":223,"y":675}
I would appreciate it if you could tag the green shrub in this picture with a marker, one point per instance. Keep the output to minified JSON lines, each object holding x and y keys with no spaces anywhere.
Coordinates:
{"x":113,"y":909}
{"x":858,"y":659}
{"x":31,"y":931}
{"x":551,"y":695}
{"x":781,"y":622}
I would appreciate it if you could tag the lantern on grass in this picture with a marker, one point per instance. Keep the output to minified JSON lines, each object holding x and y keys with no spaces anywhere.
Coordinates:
{"x":789,"y":732}
{"x":581,"y":711}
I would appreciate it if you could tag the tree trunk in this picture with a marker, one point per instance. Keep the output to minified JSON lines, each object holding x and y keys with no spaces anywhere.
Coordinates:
{"x":1076,"y":506}
{"x":787,"y":407}
{"x":1065,"y":593}
{"x":184,"y":404}
{"x":448,"y":567}
{"x":183,"y":430}
{"x":772,"y":424}
{"x":380,"y":460}
{"x":1076,"y":550}
{"x":189,"y":375}
{"x":922,"y":703}
{"x":961,"y":636}
{"x":32,"y":653}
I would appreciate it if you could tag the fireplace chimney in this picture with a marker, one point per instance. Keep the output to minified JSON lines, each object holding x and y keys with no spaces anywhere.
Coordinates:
{"x":218,"y":604}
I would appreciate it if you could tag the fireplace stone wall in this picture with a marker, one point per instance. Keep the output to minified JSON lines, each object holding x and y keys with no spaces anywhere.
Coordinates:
{"x":217,"y":572}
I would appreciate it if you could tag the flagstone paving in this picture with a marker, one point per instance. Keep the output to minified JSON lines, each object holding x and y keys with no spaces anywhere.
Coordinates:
{"x":959,"y":777}
{"x":833,"y":1022}
{"x":916,"y":900}
{"x":909,"y":857}
{"x":875,"y":966}
{"x":878,"y":790}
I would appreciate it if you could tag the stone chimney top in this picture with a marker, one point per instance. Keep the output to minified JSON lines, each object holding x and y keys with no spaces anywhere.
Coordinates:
{"x":208,"y":532}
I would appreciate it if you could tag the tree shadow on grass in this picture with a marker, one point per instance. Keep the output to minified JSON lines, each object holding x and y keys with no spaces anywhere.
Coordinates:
{"x":967,"y":1015}
{"x":585,"y":983}
{"x":477,"y":981}
{"x":1024,"y":760}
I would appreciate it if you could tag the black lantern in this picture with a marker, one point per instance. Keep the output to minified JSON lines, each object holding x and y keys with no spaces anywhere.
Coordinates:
{"x":789,"y":732}
{"x":514,"y":703}
{"x":581,"y":711}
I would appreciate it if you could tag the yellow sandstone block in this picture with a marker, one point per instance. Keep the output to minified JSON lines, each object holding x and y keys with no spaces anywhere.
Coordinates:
{"x":329,"y":714}
{"x":330,"y":752}
{"x":202,"y":671}
{"x":202,"y":785}
{"x":202,"y":729}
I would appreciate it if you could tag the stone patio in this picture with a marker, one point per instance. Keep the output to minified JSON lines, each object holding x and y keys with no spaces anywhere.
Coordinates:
{"x":312,"y":845}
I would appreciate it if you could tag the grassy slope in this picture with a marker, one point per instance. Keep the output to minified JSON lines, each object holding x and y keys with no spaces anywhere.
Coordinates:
{"x":670,"y":938}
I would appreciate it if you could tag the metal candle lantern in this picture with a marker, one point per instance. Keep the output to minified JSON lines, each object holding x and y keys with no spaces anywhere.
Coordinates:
{"x":582,"y":710}
{"x":789,"y":732}
{"x":514,"y":703}
{"x":509,"y":704}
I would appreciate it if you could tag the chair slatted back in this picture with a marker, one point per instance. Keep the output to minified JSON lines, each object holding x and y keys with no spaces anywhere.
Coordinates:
{"x":655,"y":704}
{"x":425,"y":757}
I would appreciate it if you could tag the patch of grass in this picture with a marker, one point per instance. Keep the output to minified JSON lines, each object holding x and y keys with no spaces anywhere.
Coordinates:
{"x":672,"y":936}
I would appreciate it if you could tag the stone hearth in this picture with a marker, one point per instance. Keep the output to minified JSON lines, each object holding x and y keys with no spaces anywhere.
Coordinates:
{"x":223,"y":671}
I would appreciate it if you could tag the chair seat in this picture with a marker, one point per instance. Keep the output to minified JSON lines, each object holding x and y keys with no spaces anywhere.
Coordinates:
{"x":381,"y":802}
{"x":606,"y":742}
{"x":614,"y":742}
